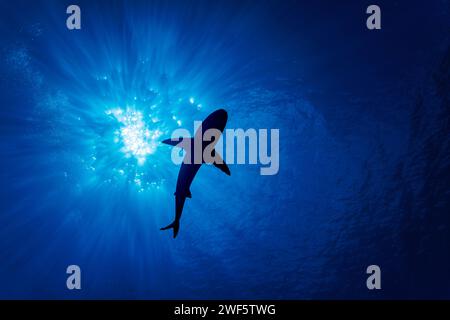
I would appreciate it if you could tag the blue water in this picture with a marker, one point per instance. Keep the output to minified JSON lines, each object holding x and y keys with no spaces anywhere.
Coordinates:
{"x":364,"y":149}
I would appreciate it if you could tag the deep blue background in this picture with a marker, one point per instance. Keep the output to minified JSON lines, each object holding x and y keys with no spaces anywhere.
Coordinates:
{"x":364,"y":120}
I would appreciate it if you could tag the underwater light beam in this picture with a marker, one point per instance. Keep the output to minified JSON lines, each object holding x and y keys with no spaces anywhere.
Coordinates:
{"x":138,"y":140}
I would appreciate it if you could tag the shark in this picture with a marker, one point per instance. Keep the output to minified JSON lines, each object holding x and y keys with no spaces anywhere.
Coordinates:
{"x":217,"y":120}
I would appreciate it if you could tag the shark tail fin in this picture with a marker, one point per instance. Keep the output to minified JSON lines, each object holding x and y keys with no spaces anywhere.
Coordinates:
{"x":175,"y":226}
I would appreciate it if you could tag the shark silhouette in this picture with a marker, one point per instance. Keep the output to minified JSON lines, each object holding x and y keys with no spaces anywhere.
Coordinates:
{"x":216,"y":120}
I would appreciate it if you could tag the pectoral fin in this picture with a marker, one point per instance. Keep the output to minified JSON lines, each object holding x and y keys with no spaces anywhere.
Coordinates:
{"x":221,"y":165}
{"x":184,"y":143}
